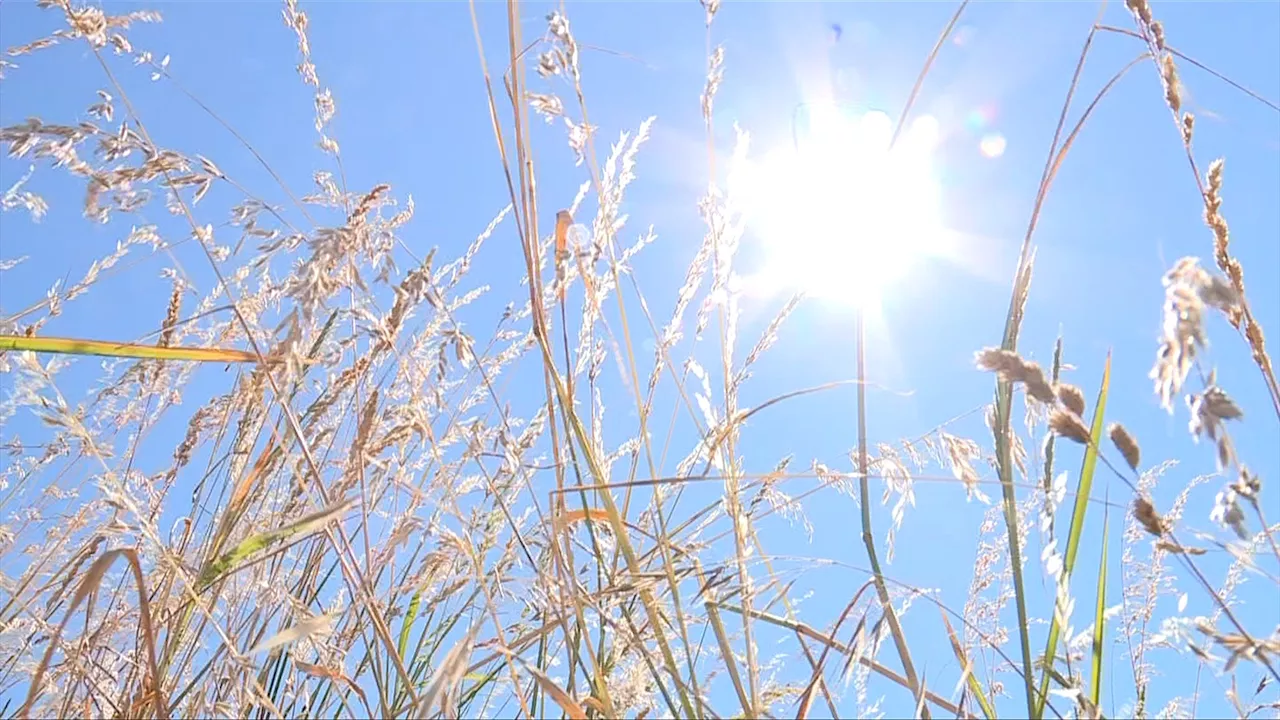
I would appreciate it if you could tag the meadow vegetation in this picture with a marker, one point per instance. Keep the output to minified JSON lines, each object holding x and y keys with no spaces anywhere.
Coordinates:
{"x":363,"y":518}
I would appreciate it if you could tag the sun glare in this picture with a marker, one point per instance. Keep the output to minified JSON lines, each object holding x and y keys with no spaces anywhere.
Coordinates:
{"x":843,"y":216}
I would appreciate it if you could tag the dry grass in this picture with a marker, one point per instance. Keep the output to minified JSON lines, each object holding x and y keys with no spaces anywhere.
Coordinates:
{"x":365,"y":519}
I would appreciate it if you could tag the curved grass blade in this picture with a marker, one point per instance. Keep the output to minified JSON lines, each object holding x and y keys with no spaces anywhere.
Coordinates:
{"x":90,"y":583}
{"x":106,"y":348}
{"x":252,"y":546}
{"x":336,"y":675}
{"x":557,"y":694}
{"x":1077,"y":524}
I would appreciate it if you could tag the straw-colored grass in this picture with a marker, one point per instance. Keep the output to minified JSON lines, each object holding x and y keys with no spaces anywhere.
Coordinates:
{"x":368,"y":516}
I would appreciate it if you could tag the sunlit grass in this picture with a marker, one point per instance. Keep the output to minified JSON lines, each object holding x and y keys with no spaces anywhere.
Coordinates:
{"x":370,"y":519}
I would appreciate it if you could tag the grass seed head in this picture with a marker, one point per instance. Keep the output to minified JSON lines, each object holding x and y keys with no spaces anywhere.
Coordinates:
{"x":1189,"y":288}
{"x":1172,"y":85}
{"x":1227,"y":512}
{"x":1072,"y":397}
{"x":1069,"y":425}
{"x":1141,"y":10}
{"x":1209,"y":408}
{"x":1009,"y":366}
{"x":1145,"y":513}
{"x":1125,"y":443}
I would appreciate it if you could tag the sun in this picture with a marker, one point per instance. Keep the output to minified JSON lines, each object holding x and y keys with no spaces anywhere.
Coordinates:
{"x":844,"y":216}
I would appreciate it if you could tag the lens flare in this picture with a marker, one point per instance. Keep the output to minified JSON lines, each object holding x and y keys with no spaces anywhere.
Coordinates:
{"x":993,"y":145}
{"x":845,"y":215}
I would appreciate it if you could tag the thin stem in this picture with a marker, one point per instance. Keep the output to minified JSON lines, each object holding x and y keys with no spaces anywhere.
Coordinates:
{"x":868,"y":540}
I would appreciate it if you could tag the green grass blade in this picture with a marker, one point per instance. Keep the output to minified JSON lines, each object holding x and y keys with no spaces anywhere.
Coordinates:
{"x":105,"y":348}
{"x":1077,"y":524}
{"x":410,"y":615}
{"x":726,"y":651}
{"x":1099,"y":621}
{"x":481,"y":681}
{"x":966,"y":666}
{"x":254,"y":545}
{"x":1009,"y":503}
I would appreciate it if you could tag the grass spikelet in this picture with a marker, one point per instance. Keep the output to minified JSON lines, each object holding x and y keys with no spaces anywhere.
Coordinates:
{"x":1145,"y":513}
{"x":171,"y":316}
{"x":1210,"y":189}
{"x":1209,"y":408}
{"x":1172,"y":87}
{"x":1237,"y":312}
{"x":1067,"y":424}
{"x":1125,"y":443}
{"x":1072,"y":398}
{"x":1011,"y":367}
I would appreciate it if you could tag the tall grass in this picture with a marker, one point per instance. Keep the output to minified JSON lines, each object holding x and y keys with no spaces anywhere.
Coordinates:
{"x":386,"y":510}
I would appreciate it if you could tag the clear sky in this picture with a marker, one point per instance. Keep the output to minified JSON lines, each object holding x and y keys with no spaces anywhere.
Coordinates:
{"x":412,"y":113}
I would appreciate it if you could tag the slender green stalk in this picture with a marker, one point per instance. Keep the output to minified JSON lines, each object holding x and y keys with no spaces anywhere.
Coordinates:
{"x":868,"y":540}
{"x":1004,"y":468}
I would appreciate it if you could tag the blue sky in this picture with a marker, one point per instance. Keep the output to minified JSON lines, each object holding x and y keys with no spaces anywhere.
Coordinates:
{"x":412,"y":113}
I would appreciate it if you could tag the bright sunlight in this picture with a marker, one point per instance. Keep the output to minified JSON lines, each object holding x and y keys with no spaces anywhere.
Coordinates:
{"x":842,"y":215}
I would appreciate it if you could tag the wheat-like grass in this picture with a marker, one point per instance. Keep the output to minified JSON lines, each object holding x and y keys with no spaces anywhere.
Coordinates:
{"x":367,"y":516}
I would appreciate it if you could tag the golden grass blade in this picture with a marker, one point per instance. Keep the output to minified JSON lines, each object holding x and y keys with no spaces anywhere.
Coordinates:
{"x":93,"y":579}
{"x":920,"y":711}
{"x":815,"y":680}
{"x":557,"y":693}
{"x":806,"y":701}
{"x":250,"y":479}
{"x":106,"y":348}
{"x":251,"y":546}
{"x":1077,"y":522}
{"x":594,"y":704}
{"x":569,"y":517}
{"x":333,"y":675}
{"x":563,"y":221}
